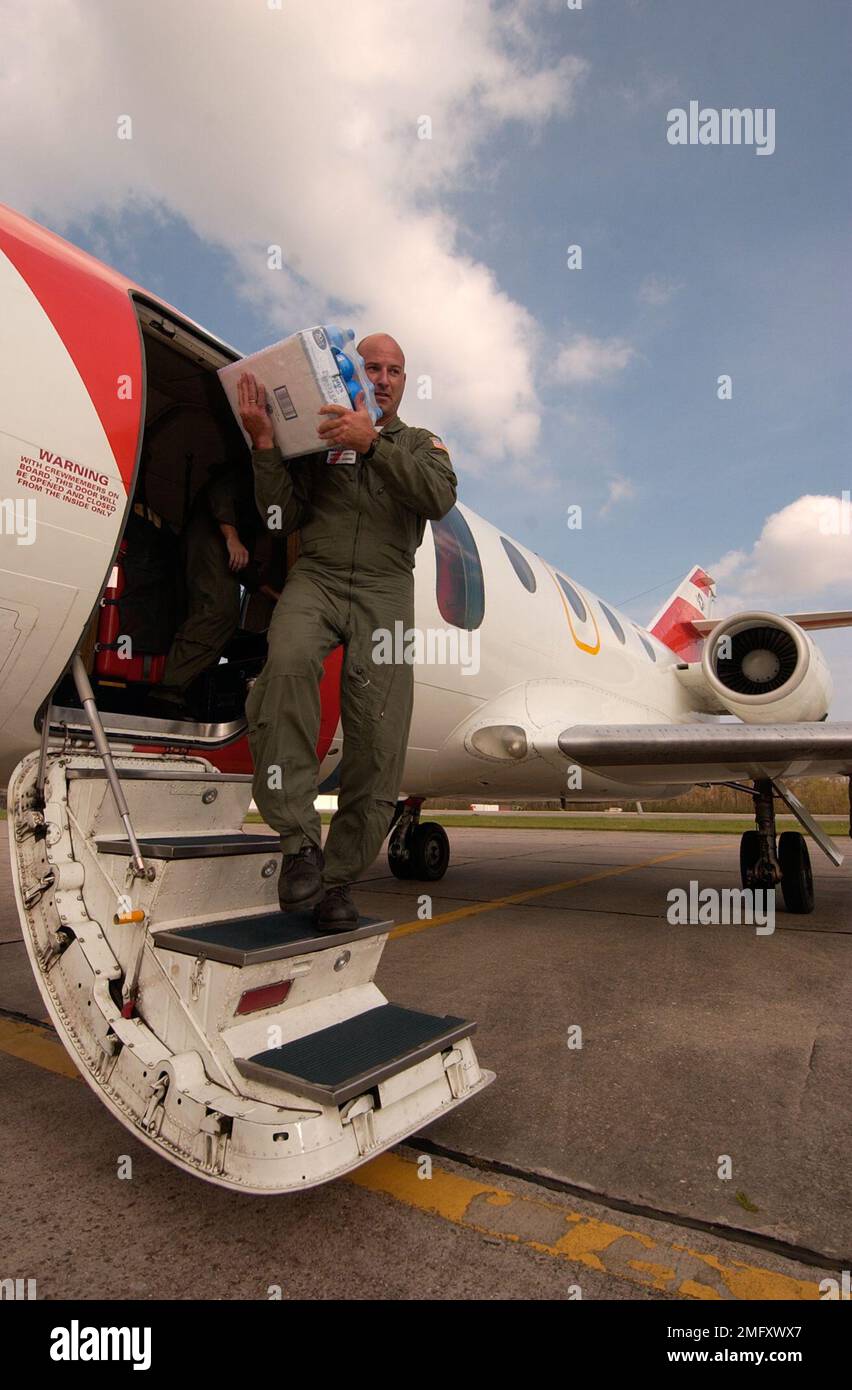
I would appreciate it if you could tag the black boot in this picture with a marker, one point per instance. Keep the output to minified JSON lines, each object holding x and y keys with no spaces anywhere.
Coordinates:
{"x":300,"y":879}
{"x":337,"y":911}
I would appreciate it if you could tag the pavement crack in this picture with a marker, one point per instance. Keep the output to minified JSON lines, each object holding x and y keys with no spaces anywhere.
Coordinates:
{"x":731,"y":1234}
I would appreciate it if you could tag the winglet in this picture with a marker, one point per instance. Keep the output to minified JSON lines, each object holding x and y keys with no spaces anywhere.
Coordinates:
{"x":676,"y":624}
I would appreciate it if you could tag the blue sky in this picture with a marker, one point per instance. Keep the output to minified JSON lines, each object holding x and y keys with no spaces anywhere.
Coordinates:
{"x":549,"y":129}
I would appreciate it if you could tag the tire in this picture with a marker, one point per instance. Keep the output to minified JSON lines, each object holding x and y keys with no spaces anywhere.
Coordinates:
{"x":749,"y":854}
{"x":797,"y":881}
{"x":430,"y":852}
{"x":400,"y":868}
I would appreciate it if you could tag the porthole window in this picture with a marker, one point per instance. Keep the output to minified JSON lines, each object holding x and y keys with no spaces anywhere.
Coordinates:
{"x":573,"y":598}
{"x":459,"y":581}
{"x":614,"y":623}
{"x":521,"y":566}
{"x":647,"y":645}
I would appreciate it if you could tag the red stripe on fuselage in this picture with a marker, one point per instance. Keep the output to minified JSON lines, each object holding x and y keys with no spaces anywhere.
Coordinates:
{"x":330,"y":700}
{"x":236,"y":757}
{"x":90,"y":307}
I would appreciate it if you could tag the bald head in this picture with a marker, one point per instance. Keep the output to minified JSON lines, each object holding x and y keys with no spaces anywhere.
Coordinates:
{"x":382,"y":343}
{"x":384,"y":361}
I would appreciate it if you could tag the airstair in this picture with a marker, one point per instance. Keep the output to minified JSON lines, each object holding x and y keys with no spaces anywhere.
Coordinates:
{"x":233,"y":1038}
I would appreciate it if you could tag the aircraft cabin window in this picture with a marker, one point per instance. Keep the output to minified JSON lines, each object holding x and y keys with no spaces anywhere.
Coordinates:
{"x":614,"y":623}
{"x":521,"y":566}
{"x":573,"y":598}
{"x":647,"y":645}
{"x":459,"y":581}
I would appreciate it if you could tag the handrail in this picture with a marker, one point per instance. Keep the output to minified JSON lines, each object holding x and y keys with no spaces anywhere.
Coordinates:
{"x":87,"y":699}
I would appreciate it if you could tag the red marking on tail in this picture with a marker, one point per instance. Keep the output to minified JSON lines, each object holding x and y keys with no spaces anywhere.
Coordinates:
{"x":674,"y":628}
{"x":701,"y":581}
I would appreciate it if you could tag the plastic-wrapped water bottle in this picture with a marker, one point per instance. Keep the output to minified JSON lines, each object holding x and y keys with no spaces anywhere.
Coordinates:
{"x":346,"y":365}
{"x":352,"y":368}
{"x":335,"y":335}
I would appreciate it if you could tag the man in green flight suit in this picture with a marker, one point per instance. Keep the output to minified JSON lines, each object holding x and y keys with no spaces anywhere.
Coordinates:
{"x":361,"y":509}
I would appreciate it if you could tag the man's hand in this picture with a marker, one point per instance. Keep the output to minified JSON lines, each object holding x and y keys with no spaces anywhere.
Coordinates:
{"x":251,"y":402}
{"x":347,"y":429}
{"x":238,"y":556}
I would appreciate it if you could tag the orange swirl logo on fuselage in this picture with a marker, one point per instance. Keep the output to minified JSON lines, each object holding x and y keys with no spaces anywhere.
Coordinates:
{"x":584,"y":646}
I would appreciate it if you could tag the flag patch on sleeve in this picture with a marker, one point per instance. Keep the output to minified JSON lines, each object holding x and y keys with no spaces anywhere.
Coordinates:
{"x":439,"y":444}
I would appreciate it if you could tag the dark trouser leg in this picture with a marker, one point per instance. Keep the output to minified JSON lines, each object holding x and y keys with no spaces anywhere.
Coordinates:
{"x":213,"y":608}
{"x":375,"y":705}
{"x":283,"y":708}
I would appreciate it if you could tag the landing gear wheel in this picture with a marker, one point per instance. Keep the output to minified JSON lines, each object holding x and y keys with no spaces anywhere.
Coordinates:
{"x":797,"y":881}
{"x":400,"y":868}
{"x":430,"y":851}
{"x":749,"y":855}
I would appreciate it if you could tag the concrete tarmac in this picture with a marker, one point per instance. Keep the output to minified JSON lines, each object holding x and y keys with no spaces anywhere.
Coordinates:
{"x":670,"y":1117}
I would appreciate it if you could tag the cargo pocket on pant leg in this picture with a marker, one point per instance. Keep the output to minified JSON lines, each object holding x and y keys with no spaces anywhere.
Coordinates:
{"x":392,"y":724}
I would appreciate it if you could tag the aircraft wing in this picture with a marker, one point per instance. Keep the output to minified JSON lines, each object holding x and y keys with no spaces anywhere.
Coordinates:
{"x":710,"y":752}
{"x":811,"y":622}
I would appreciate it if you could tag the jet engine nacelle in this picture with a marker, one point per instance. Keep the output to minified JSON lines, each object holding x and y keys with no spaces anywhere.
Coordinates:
{"x":766,"y":670}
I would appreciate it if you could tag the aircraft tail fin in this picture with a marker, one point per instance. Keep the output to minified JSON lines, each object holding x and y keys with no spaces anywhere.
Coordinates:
{"x":676,"y":623}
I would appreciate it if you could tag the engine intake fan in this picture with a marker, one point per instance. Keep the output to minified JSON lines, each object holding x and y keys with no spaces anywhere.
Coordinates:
{"x":765,"y":669}
{"x":761,"y":660}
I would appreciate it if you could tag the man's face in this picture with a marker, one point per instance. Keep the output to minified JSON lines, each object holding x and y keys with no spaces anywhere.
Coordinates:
{"x":385,"y":367}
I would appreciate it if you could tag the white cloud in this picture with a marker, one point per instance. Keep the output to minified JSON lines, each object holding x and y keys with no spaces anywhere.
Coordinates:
{"x":586,"y":359}
{"x":803,"y":551}
{"x":802,"y":558}
{"x":647,"y":88}
{"x":657,"y":290}
{"x":730,"y":563}
{"x":298,"y":127}
{"x":619,"y":489}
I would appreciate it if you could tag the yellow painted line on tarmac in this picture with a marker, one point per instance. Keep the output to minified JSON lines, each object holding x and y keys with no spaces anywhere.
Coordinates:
{"x":36,"y":1045}
{"x":544,"y":1226}
{"x":474,"y":909}
{"x":581,"y":1240}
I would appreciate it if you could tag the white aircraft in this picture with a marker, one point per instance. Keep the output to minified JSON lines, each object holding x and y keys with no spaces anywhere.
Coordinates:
{"x":232,"y":1038}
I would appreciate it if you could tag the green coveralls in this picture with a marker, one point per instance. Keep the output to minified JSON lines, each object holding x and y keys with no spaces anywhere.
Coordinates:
{"x":360,"y":525}
{"x":212,"y":589}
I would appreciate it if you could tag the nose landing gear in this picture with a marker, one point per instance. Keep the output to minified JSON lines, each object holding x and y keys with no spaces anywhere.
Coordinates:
{"x":417,"y":850}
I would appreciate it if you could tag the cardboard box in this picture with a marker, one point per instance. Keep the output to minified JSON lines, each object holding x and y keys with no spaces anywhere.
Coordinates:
{"x":300,"y":375}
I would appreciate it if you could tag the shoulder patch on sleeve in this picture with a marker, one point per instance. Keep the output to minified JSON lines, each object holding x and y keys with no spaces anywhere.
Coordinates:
{"x":439,"y":443}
